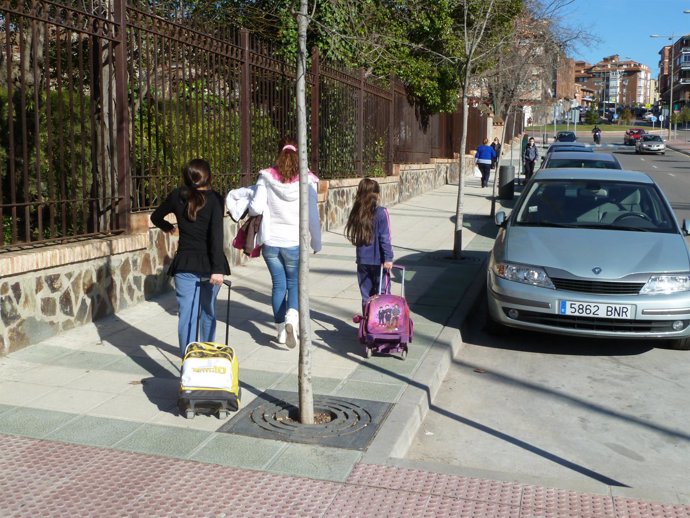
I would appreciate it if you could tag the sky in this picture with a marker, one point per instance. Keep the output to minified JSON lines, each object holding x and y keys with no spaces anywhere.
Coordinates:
{"x":623,"y":27}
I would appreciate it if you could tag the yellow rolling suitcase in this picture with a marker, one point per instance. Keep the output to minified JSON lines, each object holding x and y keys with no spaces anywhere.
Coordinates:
{"x":209,"y":378}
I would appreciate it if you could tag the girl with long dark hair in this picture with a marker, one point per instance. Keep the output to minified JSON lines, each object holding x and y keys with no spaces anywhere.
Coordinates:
{"x":200,"y":263}
{"x":368,"y":228}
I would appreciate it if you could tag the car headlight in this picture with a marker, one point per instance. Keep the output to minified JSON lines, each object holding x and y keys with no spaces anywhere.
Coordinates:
{"x":658,"y":284}
{"x":524,"y":273}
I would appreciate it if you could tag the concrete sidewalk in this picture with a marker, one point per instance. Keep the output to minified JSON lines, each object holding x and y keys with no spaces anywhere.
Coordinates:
{"x":89,"y":424}
{"x":679,"y":145}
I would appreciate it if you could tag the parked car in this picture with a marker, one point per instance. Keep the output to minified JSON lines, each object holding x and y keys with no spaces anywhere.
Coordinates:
{"x":632,"y":135}
{"x":581,"y":159}
{"x":566,"y":136}
{"x":560,"y":147}
{"x":650,"y":144}
{"x":593,"y":253}
{"x":568,"y":146}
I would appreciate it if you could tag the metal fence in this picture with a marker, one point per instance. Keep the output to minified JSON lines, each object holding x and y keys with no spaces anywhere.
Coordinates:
{"x":101,"y":105}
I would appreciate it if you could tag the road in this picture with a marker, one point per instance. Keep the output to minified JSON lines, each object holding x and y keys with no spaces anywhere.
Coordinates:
{"x":671,"y":171}
{"x":607,"y":417}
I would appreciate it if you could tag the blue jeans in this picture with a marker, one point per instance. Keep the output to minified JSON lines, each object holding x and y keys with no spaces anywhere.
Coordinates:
{"x":283,"y":265}
{"x":188,"y":289}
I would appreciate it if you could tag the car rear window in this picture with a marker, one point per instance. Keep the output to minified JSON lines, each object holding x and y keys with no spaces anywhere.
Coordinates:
{"x":579,"y":163}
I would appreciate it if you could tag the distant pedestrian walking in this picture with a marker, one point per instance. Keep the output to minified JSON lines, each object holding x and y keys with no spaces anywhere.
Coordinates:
{"x":531,"y":155}
{"x":199,"y":264}
{"x":496,"y":145}
{"x":368,"y":228}
{"x":484,"y":158}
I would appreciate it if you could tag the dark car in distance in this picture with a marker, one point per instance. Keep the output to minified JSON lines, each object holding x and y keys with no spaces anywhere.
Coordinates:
{"x":566,"y":136}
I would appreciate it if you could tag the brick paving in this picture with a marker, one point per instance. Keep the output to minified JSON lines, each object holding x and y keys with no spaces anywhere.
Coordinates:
{"x":52,"y":479}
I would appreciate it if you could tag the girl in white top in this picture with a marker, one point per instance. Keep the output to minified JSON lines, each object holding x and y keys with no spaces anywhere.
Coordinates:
{"x":277,"y":199}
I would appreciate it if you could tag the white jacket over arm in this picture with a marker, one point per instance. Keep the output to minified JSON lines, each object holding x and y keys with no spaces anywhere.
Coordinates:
{"x":279,"y":204}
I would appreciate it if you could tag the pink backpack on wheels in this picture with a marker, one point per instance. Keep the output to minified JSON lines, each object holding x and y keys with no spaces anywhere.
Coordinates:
{"x":386,"y":326}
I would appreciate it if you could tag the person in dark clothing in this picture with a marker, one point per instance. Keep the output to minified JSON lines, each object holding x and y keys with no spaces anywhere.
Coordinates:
{"x":200,"y":263}
{"x":496,"y":145}
{"x":368,"y":228}
{"x":530,"y":156}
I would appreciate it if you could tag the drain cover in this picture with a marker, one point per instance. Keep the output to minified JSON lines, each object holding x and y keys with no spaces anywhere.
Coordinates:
{"x":275,"y":415}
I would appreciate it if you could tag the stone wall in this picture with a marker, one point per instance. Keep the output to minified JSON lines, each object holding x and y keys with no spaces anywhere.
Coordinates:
{"x":91,"y":280}
{"x":48,"y":290}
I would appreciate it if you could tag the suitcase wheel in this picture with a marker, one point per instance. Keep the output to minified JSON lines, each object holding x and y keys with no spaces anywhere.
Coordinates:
{"x":189,"y":413}
{"x":367,"y":352}
{"x":403,"y":353}
{"x":222,"y":413}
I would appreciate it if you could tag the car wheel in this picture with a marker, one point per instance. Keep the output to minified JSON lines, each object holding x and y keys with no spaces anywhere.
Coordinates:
{"x":682,"y":344}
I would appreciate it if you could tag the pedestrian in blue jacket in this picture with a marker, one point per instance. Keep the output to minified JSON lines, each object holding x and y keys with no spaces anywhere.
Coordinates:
{"x":484,"y":157}
{"x":368,"y":228}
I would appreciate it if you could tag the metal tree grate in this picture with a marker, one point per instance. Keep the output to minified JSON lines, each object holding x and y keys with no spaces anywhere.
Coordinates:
{"x":275,"y":415}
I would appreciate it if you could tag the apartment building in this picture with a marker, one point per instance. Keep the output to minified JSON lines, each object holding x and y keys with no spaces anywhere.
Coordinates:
{"x":674,"y":68}
{"x":615,"y":82}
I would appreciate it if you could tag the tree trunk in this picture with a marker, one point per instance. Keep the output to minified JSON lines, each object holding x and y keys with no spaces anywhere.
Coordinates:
{"x":306,"y":396}
{"x":498,"y":159}
{"x":457,"y":238}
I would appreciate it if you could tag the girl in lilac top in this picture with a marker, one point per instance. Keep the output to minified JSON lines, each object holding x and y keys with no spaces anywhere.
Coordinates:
{"x":368,"y":228}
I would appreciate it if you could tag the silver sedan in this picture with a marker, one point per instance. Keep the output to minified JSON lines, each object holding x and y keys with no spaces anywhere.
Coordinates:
{"x":592,"y":252}
{"x":650,"y":144}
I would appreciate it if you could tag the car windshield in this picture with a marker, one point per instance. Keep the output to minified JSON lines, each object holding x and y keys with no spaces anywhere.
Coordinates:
{"x":581,"y":162}
{"x":653,"y":138}
{"x":599,"y":204}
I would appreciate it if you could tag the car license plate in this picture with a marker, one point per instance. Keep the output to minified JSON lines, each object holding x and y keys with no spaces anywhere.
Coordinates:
{"x":588,"y":309}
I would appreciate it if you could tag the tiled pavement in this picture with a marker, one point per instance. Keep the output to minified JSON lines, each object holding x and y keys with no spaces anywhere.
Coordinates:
{"x":88,"y":425}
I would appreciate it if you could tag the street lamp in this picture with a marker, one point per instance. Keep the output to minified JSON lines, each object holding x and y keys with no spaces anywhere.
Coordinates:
{"x":672,"y":39}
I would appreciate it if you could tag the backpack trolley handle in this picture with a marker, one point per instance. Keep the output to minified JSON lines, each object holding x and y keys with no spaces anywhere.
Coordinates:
{"x":388,"y":284}
{"x":228,"y":283}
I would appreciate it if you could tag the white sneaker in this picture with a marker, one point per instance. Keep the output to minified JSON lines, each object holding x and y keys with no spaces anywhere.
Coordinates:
{"x":291,"y":325}
{"x":281,"y":334}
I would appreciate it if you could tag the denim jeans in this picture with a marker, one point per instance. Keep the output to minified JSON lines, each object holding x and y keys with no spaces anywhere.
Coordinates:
{"x":283,"y":265}
{"x":188,"y":289}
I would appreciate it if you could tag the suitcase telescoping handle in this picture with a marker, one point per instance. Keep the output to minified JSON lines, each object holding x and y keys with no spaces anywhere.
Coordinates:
{"x":388,"y":283}
{"x":228,"y":283}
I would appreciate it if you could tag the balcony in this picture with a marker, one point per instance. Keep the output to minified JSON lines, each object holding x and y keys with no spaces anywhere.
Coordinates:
{"x":684,"y":65}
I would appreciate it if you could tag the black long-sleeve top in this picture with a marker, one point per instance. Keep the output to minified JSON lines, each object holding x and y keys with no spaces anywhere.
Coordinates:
{"x":200,"y":248}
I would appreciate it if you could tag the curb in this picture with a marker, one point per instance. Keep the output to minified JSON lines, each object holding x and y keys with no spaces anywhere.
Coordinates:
{"x":400,"y":427}
{"x":679,"y":150}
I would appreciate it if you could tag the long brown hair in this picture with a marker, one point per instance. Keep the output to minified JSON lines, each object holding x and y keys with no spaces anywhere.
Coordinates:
{"x":196,"y":174}
{"x":287,"y":161}
{"x":359,"y":229}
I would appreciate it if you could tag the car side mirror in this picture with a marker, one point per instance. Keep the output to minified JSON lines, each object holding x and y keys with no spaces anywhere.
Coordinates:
{"x":500,"y":218}
{"x":686,"y":226}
